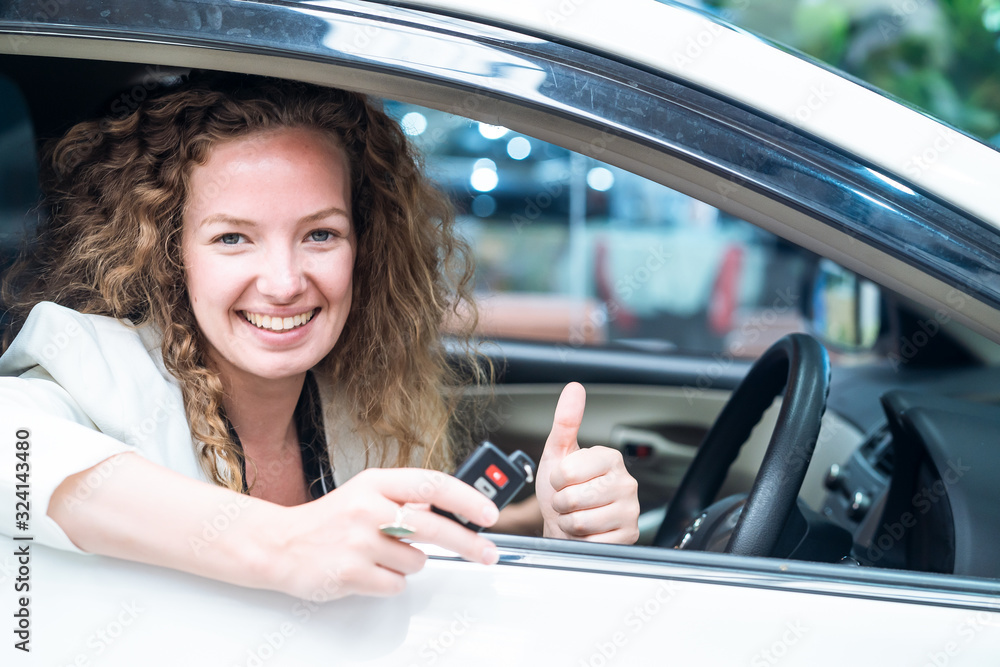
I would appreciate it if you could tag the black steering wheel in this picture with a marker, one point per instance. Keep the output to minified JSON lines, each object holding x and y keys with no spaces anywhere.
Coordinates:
{"x":798,"y":364}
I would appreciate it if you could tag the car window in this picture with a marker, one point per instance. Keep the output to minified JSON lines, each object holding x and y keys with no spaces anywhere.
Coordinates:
{"x":578,"y":252}
{"x":19,"y":192}
{"x":18,"y":166}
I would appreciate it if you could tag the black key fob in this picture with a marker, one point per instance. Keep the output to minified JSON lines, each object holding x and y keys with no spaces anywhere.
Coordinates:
{"x":493,"y":474}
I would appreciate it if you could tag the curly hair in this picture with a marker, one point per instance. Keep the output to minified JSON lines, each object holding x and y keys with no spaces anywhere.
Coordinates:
{"x":115,"y":192}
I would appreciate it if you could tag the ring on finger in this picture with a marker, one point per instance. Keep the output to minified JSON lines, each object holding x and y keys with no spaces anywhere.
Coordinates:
{"x":398,"y":528}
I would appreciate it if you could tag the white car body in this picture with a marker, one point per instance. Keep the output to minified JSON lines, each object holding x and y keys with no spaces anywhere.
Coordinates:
{"x":532,"y":608}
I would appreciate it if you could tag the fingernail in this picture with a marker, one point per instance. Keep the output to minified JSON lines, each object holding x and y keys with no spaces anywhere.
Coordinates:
{"x":490,"y":515}
{"x":490,"y":555}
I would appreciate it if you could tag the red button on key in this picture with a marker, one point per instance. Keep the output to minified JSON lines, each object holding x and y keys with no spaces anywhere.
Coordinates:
{"x":495,"y":474}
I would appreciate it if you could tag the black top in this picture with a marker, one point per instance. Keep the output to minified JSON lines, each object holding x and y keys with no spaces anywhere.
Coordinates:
{"x":308,"y":417}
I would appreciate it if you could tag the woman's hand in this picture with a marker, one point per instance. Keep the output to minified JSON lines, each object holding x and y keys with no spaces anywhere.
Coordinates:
{"x":333,"y":547}
{"x":584,"y":493}
{"x":325,"y":549}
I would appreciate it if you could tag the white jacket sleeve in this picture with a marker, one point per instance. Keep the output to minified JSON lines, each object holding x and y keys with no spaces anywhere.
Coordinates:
{"x":61,"y":442}
{"x":85,"y":388}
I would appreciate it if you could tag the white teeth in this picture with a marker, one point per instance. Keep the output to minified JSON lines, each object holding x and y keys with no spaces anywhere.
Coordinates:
{"x":278,"y":323}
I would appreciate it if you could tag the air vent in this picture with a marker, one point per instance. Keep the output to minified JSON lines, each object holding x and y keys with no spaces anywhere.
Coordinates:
{"x":877,"y":450}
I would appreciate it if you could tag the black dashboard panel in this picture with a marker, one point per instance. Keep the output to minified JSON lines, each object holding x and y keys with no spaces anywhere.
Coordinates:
{"x":942,"y":510}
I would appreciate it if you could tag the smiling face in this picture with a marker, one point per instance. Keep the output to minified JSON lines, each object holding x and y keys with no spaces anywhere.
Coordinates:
{"x":269,"y":250}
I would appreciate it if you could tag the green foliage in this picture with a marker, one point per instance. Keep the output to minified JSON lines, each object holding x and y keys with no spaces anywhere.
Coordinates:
{"x":942,"y":56}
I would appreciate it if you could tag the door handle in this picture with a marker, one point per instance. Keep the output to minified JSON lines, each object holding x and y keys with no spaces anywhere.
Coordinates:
{"x":647,"y":446}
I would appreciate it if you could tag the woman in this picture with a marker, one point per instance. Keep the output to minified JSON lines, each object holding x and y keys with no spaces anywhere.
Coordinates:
{"x":250,"y":277}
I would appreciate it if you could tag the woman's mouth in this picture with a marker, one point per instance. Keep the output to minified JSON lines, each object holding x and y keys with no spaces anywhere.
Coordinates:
{"x":278,"y":323}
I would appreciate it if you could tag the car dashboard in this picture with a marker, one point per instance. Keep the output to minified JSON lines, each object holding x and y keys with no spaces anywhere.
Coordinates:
{"x":919,"y":494}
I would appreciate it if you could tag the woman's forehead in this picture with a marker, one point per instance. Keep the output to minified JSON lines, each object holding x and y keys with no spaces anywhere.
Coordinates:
{"x":291,"y":170}
{"x":261,"y":139}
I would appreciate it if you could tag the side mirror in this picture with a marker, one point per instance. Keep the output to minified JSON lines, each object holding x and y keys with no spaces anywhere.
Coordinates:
{"x":843,"y":309}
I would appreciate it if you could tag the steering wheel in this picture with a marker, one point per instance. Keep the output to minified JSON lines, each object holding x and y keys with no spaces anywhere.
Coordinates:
{"x":798,"y":364}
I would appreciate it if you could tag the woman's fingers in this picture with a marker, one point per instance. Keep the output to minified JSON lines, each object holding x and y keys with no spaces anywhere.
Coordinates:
{"x":594,"y":498}
{"x":400,"y":557}
{"x":591,"y":478}
{"x":585,"y":496}
{"x":586,"y":464}
{"x":349,"y":541}
{"x":595,"y":522}
{"x":377,"y":581}
{"x":417,"y":490}
{"x":414,"y":485}
{"x":448,"y":534}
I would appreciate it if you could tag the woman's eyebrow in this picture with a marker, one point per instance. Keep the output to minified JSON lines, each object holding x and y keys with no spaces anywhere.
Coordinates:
{"x":223,"y":218}
{"x":333,"y":211}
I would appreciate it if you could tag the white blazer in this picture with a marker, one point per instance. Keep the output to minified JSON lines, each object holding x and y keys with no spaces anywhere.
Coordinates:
{"x":87,"y":387}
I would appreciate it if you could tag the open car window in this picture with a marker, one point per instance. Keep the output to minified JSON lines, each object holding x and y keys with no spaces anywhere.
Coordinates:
{"x":578,"y":252}
{"x":18,"y":171}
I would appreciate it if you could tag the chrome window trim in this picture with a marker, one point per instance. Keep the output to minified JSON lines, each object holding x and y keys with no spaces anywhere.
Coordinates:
{"x":726,"y":569}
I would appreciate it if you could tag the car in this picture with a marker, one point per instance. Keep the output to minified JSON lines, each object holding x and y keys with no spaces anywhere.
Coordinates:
{"x":707,"y":221}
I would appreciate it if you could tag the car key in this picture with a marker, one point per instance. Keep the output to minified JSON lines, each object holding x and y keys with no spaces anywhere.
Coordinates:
{"x":493,"y":474}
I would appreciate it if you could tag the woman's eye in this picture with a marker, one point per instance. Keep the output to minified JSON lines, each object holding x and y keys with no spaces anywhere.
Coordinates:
{"x":320,"y":235}
{"x":231,"y":238}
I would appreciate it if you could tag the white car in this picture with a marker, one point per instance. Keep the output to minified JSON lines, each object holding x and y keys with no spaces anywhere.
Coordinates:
{"x":689,"y":194}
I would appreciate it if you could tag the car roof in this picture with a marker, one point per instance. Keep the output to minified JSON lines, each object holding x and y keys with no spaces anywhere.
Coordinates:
{"x":704,"y":51}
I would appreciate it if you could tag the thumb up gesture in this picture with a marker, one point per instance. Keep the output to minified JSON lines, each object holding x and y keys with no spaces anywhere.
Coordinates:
{"x":584,"y":493}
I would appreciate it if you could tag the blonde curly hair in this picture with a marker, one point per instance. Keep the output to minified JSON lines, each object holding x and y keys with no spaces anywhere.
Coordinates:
{"x":115,"y":191}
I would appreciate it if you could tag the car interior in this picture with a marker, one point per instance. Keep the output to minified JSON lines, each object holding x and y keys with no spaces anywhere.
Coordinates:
{"x":899,"y":472}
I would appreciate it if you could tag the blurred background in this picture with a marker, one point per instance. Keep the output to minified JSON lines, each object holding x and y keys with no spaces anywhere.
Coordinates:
{"x":939,"y":56}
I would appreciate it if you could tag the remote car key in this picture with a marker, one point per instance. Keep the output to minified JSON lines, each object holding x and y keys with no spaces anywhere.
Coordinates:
{"x":495,"y":475}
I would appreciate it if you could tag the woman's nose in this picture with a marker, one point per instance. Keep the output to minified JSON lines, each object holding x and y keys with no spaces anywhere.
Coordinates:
{"x":282,"y":276}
